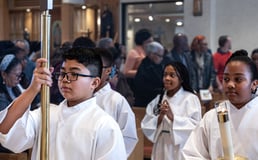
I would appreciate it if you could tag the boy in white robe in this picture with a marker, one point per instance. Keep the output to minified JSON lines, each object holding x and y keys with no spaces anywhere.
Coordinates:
{"x":115,"y":104}
{"x":239,"y":84}
{"x":171,"y":116}
{"x":79,"y":128}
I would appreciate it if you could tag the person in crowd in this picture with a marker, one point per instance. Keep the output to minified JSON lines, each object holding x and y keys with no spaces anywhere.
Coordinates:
{"x":79,"y":128}
{"x":219,"y":59}
{"x":181,"y":53}
{"x":204,"y":73}
{"x":23,"y":54}
{"x":254,"y":57}
{"x":23,"y":80}
{"x":148,"y":79}
{"x":122,"y":52}
{"x":117,"y":80}
{"x":105,"y":43}
{"x":172,"y":115}
{"x":35,"y":51}
{"x":115,"y":104}
{"x":11,"y":71}
{"x":83,"y":42}
{"x":56,"y":62}
{"x":17,"y":52}
{"x":239,"y":84}
{"x":137,"y":54}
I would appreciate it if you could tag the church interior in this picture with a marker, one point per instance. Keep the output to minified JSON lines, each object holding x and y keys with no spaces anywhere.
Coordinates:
{"x":21,"y":19}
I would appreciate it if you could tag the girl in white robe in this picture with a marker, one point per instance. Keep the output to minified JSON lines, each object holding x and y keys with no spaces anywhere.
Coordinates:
{"x":171,"y":116}
{"x":239,"y":84}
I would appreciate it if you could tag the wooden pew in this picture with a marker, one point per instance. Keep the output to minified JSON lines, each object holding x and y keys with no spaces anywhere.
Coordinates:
{"x":137,"y":153}
{"x":14,"y":156}
{"x":146,"y":144}
{"x":206,"y":106}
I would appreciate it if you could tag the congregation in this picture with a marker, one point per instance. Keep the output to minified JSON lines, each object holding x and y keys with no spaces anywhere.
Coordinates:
{"x":103,"y":83}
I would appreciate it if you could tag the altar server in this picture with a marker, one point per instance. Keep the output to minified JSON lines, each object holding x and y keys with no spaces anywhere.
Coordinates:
{"x":79,"y":128}
{"x":171,"y":116}
{"x":115,"y":104}
{"x":239,"y":84}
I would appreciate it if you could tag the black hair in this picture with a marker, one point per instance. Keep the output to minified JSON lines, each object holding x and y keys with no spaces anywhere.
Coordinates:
{"x":254,"y":51}
{"x":15,"y":61}
{"x":222,"y":40}
{"x":14,"y":50}
{"x":183,"y":75}
{"x":106,"y":56}
{"x":180,"y":40}
{"x":141,"y":36}
{"x":5,"y":44}
{"x":84,"y":42}
{"x":86,"y":56}
{"x":242,"y":56}
{"x":116,"y":53}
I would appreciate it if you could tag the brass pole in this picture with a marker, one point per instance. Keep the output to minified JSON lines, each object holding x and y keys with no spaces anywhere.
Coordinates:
{"x":45,"y":91}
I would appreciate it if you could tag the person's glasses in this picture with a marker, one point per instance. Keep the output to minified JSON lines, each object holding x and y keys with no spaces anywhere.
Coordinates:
{"x":160,"y":56}
{"x":70,"y":76}
{"x":18,"y":75}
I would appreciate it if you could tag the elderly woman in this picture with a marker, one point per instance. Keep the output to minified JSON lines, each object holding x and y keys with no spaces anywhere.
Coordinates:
{"x":11,"y":72}
{"x":148,"y":79}
{"x":10,"y":88}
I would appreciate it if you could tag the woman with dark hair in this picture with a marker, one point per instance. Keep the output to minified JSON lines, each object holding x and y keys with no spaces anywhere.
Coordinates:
{"x":240,"y":79}
{"x":171,"y":116}
{"x":137,"y":54}
{"x":11,"y":72}
{"x":10,"y":88}
{"x":254,"y":57}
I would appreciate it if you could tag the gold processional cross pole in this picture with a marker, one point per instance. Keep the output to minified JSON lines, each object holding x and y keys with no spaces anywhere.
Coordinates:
{"x":45,"y":6}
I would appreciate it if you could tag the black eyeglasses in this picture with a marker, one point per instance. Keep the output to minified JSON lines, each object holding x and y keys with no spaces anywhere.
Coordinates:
{"x":18,"y":76}
{"x":160,"y":56}
{"x":70,"y":76}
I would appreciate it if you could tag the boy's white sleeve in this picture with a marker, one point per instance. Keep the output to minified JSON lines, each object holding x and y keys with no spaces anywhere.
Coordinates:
{"x":22,"y":134}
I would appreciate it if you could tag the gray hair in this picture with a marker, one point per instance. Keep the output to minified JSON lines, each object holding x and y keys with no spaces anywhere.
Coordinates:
{"x":104,"y":42}
{"x":25,"y":42}
{"x":153,"y":47}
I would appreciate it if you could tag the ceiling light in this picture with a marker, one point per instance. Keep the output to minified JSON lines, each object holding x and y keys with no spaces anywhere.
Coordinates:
{"x":179,"y":3}
{"x":27,"y":10}
{"x":179,"y":23}
{"x":167,"y":20}
{"x":84,"y":7}
{"x":150,"y":18}
{"x":137,"y":20}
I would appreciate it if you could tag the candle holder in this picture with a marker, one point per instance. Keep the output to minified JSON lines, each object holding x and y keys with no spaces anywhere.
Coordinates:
{"x":225,"y":130}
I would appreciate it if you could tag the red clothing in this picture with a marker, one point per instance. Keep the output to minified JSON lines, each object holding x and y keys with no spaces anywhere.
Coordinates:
{"x":219,"y":60}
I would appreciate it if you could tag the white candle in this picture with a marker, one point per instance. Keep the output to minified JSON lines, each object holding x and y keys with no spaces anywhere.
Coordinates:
{"x":225,"y":131}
